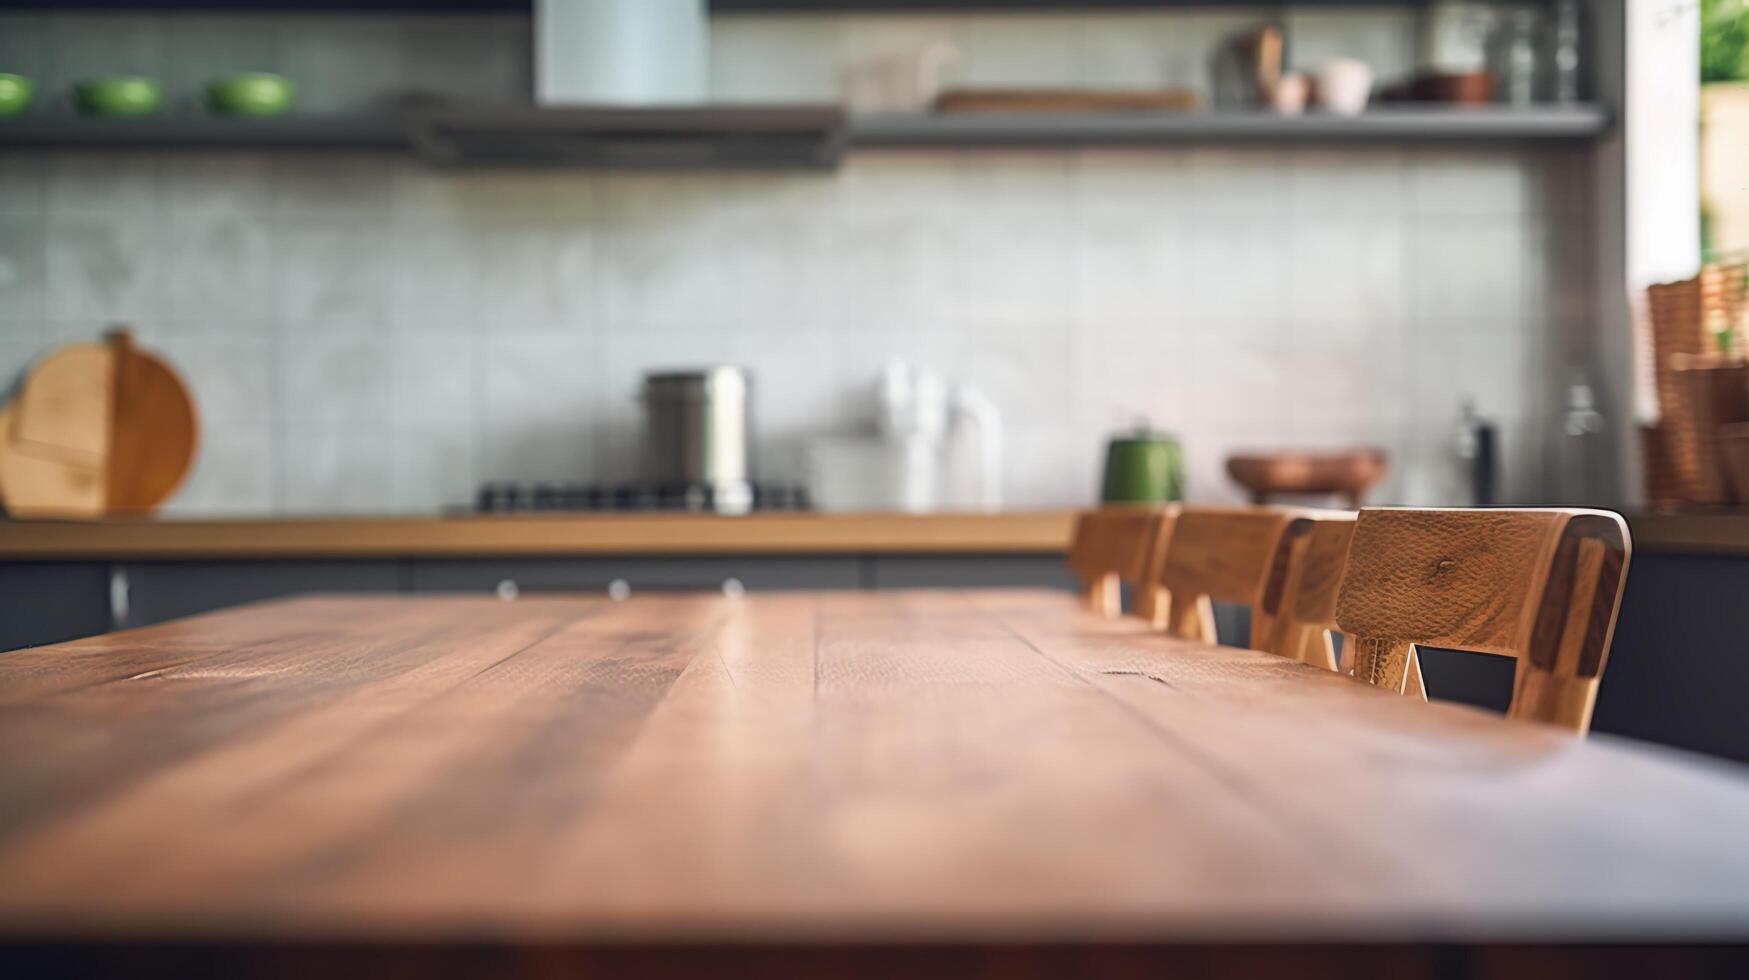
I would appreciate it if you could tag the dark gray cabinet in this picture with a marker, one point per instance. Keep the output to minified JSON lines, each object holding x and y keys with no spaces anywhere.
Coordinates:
{"x":968,"y":572}
{"x":161,"y":590}
{"x":52,"y":601}
{"x":641,"y":574}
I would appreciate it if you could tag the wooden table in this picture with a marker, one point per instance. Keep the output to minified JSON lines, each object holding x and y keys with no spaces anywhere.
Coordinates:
{"x":926,"y":781}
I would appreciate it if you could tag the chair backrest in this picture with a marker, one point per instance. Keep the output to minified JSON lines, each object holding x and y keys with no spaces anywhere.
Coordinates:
{"x":1540,"y":585}
{"x":1307,"y":611}
{"x":1120,"y":544}
{"x":1229,"y":554}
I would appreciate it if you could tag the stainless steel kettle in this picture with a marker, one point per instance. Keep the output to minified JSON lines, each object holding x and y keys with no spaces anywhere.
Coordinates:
{"x":697,"y":430}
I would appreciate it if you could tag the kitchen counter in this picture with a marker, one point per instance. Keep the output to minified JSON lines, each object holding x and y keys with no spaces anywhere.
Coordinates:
{"x":1027,"y":532}
{"x":540,"y":535}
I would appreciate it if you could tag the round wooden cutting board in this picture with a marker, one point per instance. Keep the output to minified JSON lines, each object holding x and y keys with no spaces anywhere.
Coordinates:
{"x":96,"y":429}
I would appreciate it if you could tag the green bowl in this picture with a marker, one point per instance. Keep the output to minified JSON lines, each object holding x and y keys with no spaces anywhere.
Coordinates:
{"x":15,"y":94}
{"x":119,"y":95}
{"x":250,"y":93}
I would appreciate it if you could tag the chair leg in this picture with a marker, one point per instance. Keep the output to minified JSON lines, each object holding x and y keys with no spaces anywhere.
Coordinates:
{"x":1104,"y":595}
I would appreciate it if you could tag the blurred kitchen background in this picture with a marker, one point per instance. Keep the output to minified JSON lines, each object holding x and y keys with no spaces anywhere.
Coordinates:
{"x":363,"y":331}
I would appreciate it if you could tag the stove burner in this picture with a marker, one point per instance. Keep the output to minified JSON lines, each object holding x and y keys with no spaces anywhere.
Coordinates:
{"x":506,"y":497}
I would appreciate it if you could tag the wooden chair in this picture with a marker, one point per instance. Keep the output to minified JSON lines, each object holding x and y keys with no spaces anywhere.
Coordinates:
{"x":1539,"y":585}
{"x":1119,"y":545}
{"x":1230,"y":554}
{"x":1306,"y":618}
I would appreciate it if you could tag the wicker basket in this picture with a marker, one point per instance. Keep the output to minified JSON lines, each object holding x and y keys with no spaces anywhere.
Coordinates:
{"x":1685,"y":316}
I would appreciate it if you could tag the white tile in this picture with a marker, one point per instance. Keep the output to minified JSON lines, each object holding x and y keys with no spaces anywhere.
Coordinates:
{"x":233,"y":474}
{"x":19,"y":348}
{"x":1235,"y":268}
{"x":334,"y":378}
{"x":201,"y":48}
{"x":1126,"y":375}
{"x":1237,"y":381}
{"x":1238,"y":180}
{"x":925,"y":182}
{"x":435,"y":381}
{"x":1347,"y":269}
{"x":23,"y":270}
{"x":1014,"y":268}
{"x":774,"y":59}
{"x":542,"y":406}
{"x":1151,"y":182}
{"x":214,"y":185}
{"x":1383,"y":38}
{"x":106,"y":267}
{"x":232,"y":380}
{"x":780,"y":273}
{"x":661,"y":279}
{"x":352,"y":68}
{"x":343,"y":186}
{"x":24,"y":183}
{"x":1481,"y":270}
{"x":1137,"y":51}
{"x":1050,"y":467}
{"x":1501,"y":370}
{"x":88,"y":46}
{"x":331,"y":272}
{"x":1018,"y":50}
{"x":220,"y":269}
{"x":337,"y":469}
{"x":1034,"y":182}
{"x":482,"y":58}
{"x":1474,"y":183}
{"x":1024,"y":369}
{"x":1130,"y":268}
{"x":1344,"y":182}
{"x":107,"y":183}
{"x":893,"y":270}
{"x":433,"y":468}
{"x":424,"y":197}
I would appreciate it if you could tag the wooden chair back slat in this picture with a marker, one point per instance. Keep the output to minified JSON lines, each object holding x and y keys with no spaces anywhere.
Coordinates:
{"x":1118,"y":545}
{"x":1226,"y":554}
{"x":1543,"y":586}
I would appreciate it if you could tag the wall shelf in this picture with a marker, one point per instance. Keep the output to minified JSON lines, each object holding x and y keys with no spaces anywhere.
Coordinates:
{"x":1390,"y":124}
{"x":390,"y":131}
{"x":382,"y":131}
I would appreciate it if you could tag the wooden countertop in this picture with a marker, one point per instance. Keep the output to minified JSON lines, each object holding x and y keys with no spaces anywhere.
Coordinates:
{"x":1036,"y":532}
{"x":552,"y":535}
{"x":854,"y":768}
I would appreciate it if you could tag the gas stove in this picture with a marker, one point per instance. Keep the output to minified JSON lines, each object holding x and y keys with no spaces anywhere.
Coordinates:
{"x":507,"y":497}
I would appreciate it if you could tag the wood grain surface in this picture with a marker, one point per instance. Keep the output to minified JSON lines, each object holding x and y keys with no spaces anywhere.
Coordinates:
{"x":833,"y":768}
{"x":1021,"y":532}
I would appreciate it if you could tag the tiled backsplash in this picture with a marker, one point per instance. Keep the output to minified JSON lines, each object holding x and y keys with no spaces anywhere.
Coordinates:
{"x":366,"y":334}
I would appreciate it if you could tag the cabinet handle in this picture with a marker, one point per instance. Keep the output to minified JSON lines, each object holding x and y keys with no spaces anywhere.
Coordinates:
{"x":119,"y":607}
{"x":508,"y":589}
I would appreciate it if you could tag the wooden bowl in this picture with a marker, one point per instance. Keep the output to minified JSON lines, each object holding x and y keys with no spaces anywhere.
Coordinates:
{"x":1349,"y":472}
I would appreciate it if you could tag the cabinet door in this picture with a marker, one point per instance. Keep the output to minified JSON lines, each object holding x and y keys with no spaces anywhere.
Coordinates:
{"x":52,"y":601}
{"x":161,"y":590}
{"x":638,"y":574}
{"x":971,"y":572}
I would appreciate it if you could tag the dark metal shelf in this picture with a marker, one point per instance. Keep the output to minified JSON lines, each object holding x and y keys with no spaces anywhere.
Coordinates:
{"x":391,"y":131}
{"x":1389,"y":124}
{"x":379,"y":131}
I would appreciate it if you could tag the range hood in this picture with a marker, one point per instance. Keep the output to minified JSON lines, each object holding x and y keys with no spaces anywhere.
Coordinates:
{"x":625,"y":83}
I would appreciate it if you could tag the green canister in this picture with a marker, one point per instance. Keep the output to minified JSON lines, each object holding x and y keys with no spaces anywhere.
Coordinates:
{"x":1143,"y":467}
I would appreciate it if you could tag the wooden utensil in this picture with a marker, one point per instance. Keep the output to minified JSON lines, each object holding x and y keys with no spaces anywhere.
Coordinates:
{"x":1349,"y":473}
{"x":95,"y":429}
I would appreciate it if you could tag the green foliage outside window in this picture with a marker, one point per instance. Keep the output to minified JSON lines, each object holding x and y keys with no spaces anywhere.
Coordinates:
{"x":1724,"y":40}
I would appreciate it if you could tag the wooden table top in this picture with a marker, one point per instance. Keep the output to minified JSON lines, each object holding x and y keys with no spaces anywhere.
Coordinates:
{"x":853,"y":767}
